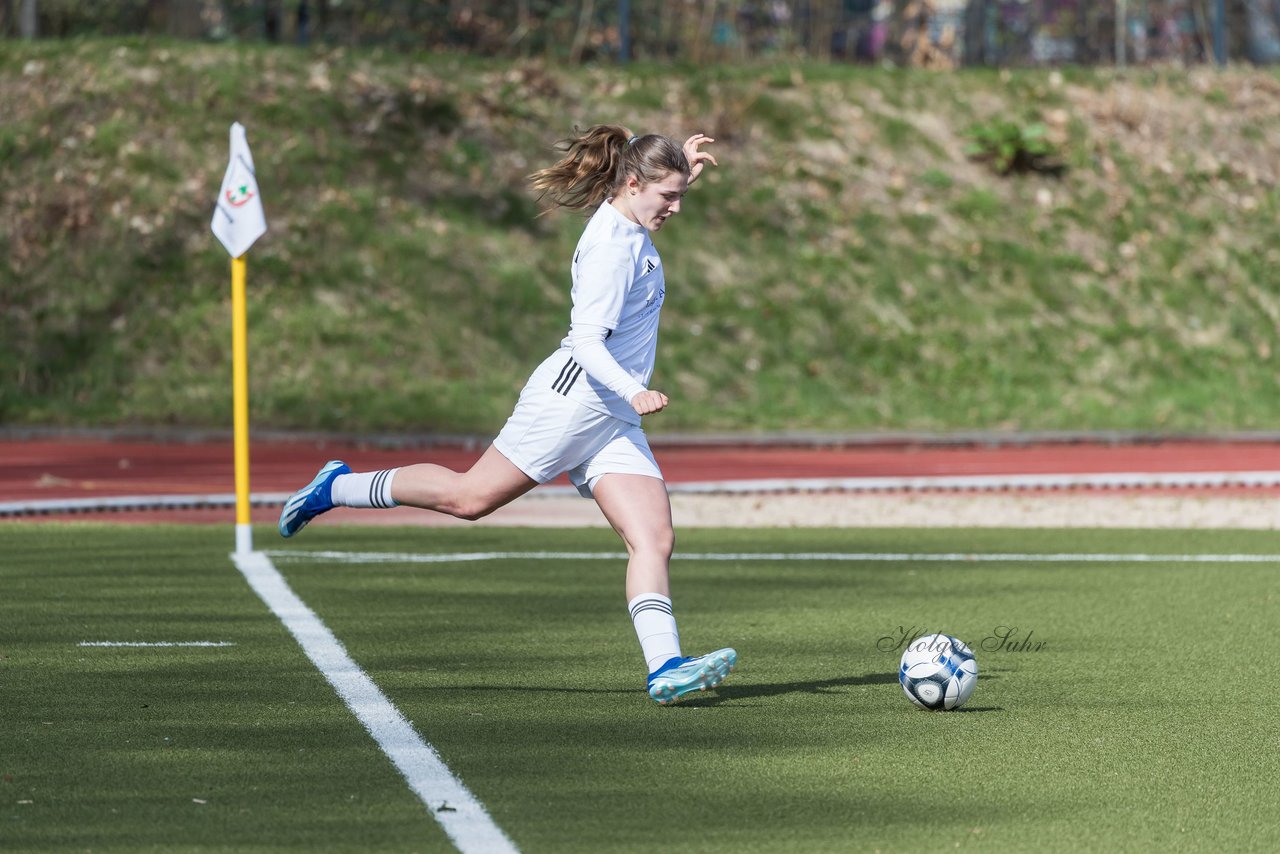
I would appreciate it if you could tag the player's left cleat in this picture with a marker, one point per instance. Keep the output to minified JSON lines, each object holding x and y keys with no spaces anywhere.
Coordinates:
{"x":312,"y":500}
{"x":681,"y":676}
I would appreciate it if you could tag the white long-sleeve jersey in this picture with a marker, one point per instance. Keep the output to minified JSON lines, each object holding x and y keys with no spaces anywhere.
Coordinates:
{"x":618,"y":288}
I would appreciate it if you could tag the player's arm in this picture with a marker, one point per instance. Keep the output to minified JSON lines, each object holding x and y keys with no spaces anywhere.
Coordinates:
{"x":590,"y":352}
{"x":602,"y":277}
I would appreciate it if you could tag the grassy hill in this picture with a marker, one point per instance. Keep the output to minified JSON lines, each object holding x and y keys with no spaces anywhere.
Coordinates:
{"x":847,"y":267}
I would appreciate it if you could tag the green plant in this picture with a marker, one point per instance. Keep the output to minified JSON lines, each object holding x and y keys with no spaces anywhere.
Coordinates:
{"x":1010,"y":147}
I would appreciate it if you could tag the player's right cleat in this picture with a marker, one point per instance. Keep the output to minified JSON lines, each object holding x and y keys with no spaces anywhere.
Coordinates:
{"x":312,"y":500}
{"x":681,"y":676}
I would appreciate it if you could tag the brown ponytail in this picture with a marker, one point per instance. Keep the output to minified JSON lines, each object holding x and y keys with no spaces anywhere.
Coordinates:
{"x":598,"y":162}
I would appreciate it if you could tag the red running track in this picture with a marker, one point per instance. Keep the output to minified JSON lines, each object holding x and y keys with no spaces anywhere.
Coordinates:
{"x":73,"y":468}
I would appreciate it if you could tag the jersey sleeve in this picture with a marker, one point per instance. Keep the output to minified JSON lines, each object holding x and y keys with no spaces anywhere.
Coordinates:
{"x":590,"y":352}
{"x":603,"y":276}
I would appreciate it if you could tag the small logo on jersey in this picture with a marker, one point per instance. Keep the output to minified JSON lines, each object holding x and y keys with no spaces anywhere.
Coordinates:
{"x":652,"y":304}
{"x":649,"y":266}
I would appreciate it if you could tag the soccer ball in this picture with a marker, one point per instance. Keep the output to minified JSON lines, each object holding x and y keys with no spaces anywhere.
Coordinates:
{"x":938,"y":672}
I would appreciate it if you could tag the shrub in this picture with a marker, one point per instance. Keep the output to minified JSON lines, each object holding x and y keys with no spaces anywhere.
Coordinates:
{"x":1011,"y":147}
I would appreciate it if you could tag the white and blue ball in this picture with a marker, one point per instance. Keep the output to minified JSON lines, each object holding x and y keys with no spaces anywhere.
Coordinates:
{"x":938,"y":672}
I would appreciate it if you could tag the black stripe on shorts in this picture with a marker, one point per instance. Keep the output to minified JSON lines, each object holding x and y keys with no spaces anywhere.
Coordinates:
{"x":568,"y":376}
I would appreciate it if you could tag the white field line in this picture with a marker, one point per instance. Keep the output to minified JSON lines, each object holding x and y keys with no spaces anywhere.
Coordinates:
{"x":989,"y":482}
{"x":155,"y":643}
{"x":924,"y":483}
{"x":450,"y":803}
{"x":844,"y":557}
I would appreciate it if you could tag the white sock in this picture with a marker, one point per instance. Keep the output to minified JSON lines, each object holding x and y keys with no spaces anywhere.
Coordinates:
{"x":655,"y":627}
{"x":365,"y":489}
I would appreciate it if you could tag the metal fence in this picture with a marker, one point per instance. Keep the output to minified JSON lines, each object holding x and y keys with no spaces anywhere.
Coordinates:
{"x":923,"y":33}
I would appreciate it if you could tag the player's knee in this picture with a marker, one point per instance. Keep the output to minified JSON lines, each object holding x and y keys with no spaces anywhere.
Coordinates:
{"x":660,"y":542}
{"x":472,"y":507}
{"x":472,"y":510}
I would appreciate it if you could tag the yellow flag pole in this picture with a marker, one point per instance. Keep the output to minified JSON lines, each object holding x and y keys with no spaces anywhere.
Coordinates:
{"x":240,"y":391}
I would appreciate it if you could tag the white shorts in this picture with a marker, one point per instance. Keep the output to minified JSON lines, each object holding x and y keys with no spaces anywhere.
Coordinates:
{"x":548,"y":435}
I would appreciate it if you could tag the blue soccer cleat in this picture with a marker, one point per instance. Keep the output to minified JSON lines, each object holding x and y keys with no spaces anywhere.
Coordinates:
{"x":312,"y":500}
{"x":681,"y":676}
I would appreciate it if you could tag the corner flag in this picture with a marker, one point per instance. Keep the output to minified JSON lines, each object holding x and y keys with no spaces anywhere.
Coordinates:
{"x":238,"y":221}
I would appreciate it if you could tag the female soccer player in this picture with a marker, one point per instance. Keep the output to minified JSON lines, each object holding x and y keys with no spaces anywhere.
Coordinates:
{"x":580,"y":410}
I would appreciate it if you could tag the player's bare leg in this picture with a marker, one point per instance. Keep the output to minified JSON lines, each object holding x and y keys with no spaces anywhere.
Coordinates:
{"x":639,"y":509}
{"x":492,"y":482}
{"x":489,"y":484}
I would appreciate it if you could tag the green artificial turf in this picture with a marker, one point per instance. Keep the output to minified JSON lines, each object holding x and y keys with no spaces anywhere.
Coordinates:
{"x":1138,"y":715}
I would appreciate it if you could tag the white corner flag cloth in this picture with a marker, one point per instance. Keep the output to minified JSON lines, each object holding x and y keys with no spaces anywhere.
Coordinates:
{"x":238,"y":219}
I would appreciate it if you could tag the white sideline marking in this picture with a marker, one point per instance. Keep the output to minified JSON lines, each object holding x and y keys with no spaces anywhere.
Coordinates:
{"x":450,"y":803}
{"x":844,"y":557}
{"x":155,"y":643}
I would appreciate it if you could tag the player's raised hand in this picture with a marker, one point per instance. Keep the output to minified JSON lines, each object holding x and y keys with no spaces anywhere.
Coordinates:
{"x":697,"y":159}
{"x":648,"y":402}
